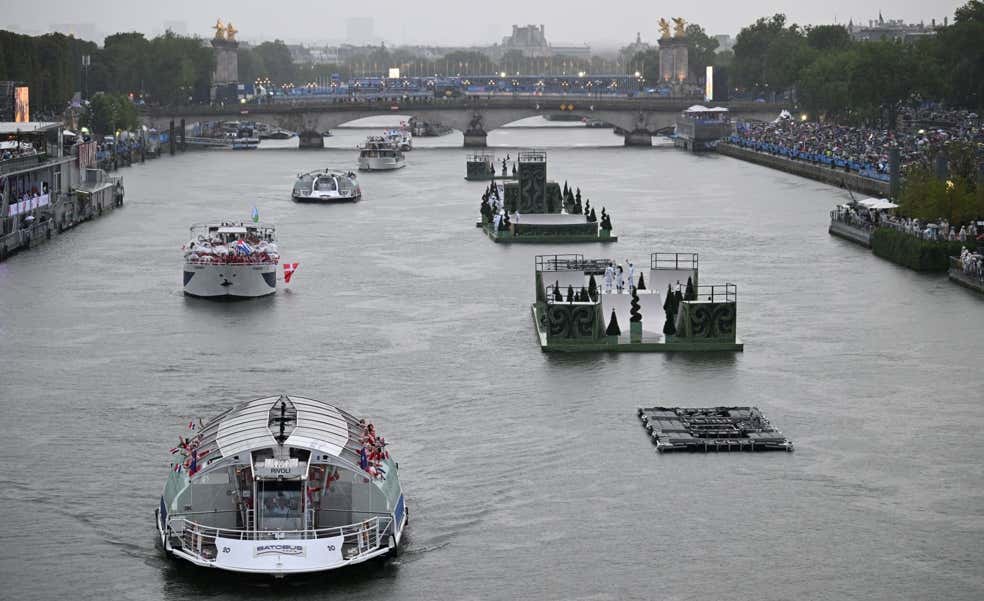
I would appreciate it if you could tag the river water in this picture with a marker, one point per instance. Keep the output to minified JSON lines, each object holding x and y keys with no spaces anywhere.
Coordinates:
{"x":527,"y":475}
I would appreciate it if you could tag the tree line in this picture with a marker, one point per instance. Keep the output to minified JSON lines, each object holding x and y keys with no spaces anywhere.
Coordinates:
{"x":835,"y":77}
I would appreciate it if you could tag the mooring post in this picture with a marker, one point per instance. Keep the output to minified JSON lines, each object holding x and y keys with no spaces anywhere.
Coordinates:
{"x":183,"y":146}
{"x":170,"y":138}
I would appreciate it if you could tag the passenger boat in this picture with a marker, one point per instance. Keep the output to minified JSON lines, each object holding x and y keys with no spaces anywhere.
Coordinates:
{"x":282,"y":485}
{"x":277,"y":134}
{"x":401,"y":138}
{"x":245,"y":139}
{"x":327,"y":186}
{"x":230,"y":260}
{"x":379,"y":154}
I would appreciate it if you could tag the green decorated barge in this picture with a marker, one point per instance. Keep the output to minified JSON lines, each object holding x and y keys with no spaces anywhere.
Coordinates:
{"x":534,"y":210}
{"x":598,"y":305}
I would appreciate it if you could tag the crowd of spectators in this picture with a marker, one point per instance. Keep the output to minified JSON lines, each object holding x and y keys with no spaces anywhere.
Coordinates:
{"x":862,"y":150}
{"x":858,"y":216}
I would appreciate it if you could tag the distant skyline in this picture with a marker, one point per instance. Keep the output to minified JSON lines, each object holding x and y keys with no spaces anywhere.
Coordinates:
{"x":439,"y":23}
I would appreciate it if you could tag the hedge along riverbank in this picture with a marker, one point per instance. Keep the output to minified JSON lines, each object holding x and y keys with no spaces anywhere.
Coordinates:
{"x":912,"y":252}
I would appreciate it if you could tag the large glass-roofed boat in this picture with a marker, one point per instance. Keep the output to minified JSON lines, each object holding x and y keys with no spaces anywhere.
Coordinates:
{"x":282,"y":485}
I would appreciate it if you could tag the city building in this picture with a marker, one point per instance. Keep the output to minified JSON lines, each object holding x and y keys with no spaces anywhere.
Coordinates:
{"x":725,"y":42}
{"x":531,"y":41}
{"x":891,"y":29}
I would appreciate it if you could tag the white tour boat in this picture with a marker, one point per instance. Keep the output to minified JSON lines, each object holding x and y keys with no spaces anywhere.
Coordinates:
{"x":327,"y":186}
{"x":231,"y":259}
{"x":282,"y":485}
{"x":401,"y":138}
{"x":379,"y":154}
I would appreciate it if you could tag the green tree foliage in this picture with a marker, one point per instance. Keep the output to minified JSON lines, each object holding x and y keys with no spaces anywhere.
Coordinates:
{"x":702,"y":49}
{"x":274,"y":59}
{"x":647,"y":64}
{"x":752,"y":50}
{"x":108,"y":113}
{"x":127,"y":56}
{"x":828,"y":37}
{"x":50,"y":65}
{"x":960,"y":51}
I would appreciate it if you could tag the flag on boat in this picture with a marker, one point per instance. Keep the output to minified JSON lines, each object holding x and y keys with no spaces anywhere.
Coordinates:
{"x":255,"y":215}
{"x":191,"y":424}
{"x":289,"y":269}
{"x":243,"y":248}
{"x":177,"y":467}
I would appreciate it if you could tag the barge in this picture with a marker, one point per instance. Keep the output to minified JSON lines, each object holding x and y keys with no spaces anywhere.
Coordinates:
{"x":534,"y":210}
{"x":599,"y":305}
{"x":712,"y":430}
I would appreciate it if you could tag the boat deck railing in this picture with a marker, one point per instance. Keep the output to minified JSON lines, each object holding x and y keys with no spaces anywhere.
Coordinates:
{"x":718,"y":293}
{"x":532,"y":156}
{"x":571,"y":262}
{"x":673,"y":261}
{"x":359,"y":539}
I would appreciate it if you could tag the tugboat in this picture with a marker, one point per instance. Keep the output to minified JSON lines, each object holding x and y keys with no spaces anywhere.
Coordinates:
{"x":379,"y":154}
{"x":282,"y":485}
{"x":327,"y":186}
{"x":231,"y":260}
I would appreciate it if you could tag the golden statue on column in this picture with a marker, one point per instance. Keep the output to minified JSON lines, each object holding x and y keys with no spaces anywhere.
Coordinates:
{"x":220,"y":29}
{"x":231,"y":32}
{"x":664,"y":28}
{"x":679,"y":27}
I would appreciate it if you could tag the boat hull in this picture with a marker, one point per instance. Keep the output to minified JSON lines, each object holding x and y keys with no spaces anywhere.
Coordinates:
{"x":380,"y":164}
{"x":327,"y":199}
{"x":279,"y":557}
{"x":229,"y":281}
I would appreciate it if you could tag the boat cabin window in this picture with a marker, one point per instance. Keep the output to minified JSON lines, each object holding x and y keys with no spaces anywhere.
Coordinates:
{"x":325,"y":184}
{"x":280,"y":505}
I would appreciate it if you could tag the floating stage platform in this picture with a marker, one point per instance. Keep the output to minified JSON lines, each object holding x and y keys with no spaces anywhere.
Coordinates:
{"x":534,"y":210}
{"x":481,"y":168}
{"x":665,"y":309}
{"x":712,"y":430}
{"x":549,"y":227}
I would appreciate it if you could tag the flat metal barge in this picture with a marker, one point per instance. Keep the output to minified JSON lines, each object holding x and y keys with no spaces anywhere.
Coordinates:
{"x":712,"y":430}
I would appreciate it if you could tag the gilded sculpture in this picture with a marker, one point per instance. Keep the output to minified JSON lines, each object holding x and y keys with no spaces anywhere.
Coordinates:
{"x":220,"y":29}
{"x":679,"y":27}
{"x":664,"y":28}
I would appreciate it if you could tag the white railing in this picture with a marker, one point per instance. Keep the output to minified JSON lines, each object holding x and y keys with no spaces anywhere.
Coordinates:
{"x":358,"y":539}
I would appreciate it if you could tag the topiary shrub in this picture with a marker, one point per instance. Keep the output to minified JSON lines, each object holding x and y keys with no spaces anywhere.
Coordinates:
{"x":635,"y":315}
{"x":642,"y":283}
{"x":593,"y":289}
{"x":613,"y":329}
{"x":570,"y":293}
{"x":691,"y":294}
{"x":558,"y":297}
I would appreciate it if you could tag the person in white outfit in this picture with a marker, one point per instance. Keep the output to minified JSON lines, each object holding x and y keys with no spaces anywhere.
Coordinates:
{"x":619,"y":279}
{"x":609,"y":276}
{"x":632,"y":280}
{"x":496,"y":221}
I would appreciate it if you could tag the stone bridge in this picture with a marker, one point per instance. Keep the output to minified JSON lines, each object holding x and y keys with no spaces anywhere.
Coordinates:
{"x":640,"y":118}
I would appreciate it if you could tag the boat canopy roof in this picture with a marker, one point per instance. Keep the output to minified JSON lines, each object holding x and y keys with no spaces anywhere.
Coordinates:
{"x":318,"y":426}
{"x":232,"y":230}
{"x":878,"y":204}
{"x":30,"y":127}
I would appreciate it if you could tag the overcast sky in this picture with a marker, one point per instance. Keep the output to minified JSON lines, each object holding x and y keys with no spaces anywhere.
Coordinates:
{"x":446,"y":22}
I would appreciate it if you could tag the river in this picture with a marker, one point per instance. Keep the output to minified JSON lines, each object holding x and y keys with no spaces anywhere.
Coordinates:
{"x":527,"y":475}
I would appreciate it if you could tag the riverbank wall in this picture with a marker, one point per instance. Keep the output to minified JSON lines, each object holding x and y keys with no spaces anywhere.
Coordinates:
{"x":820,"y":173}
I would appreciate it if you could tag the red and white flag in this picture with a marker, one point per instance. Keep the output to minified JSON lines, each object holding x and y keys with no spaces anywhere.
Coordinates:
{"x":289,"y":269}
